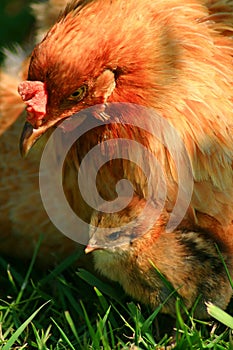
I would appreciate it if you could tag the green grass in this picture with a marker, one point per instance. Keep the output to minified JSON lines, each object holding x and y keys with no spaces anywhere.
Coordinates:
{"x":69,"y":308}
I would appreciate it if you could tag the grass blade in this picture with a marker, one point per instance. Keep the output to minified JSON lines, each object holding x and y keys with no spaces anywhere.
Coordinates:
{"x":220,"y":315}
{"x":15,"y":336}
{"x":64,"y":336}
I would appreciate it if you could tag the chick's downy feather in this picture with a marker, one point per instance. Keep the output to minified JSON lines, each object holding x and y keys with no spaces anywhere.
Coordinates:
{"x":129,"y":249}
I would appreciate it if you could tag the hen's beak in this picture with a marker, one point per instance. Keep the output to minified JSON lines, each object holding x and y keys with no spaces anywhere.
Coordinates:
{"x":29,"y":137}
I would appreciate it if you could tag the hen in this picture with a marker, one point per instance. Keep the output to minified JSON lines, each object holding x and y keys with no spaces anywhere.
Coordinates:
{"x":171,"y":56}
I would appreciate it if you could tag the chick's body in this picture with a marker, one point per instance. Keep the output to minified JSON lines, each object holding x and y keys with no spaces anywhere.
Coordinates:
{"x":189,"y":260}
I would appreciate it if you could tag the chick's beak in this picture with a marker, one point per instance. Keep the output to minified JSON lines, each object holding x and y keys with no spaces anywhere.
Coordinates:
{"x":92,"y":247}
{"x":89,"y":249}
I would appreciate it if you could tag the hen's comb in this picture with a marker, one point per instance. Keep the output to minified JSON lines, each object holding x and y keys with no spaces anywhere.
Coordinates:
{"x":34,"y":95}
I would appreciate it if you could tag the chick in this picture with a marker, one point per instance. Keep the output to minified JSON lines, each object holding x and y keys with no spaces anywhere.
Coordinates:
{"x":133,"y":250}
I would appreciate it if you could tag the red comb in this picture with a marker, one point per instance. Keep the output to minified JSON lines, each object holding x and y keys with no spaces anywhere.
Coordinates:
{"x":34,"y":95}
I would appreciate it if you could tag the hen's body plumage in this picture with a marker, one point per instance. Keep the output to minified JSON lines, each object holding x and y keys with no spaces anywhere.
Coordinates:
{"x":156,"y":65}
{"x":22,"y":216}
{"x":172,"y":56}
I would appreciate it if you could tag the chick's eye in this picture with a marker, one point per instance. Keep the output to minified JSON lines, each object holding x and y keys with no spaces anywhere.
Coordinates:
{"x":78,"y":94}
{"x":113,"y":236}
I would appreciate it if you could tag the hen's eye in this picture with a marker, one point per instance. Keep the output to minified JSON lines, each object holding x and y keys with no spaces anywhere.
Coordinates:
{"x":113,"y":236}
{"x":78,"y":94}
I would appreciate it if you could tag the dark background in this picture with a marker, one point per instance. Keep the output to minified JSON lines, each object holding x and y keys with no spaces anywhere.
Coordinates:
{"x":16,"y":23}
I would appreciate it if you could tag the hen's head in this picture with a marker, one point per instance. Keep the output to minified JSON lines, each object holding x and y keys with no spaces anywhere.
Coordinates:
{"x":99,"y":51}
